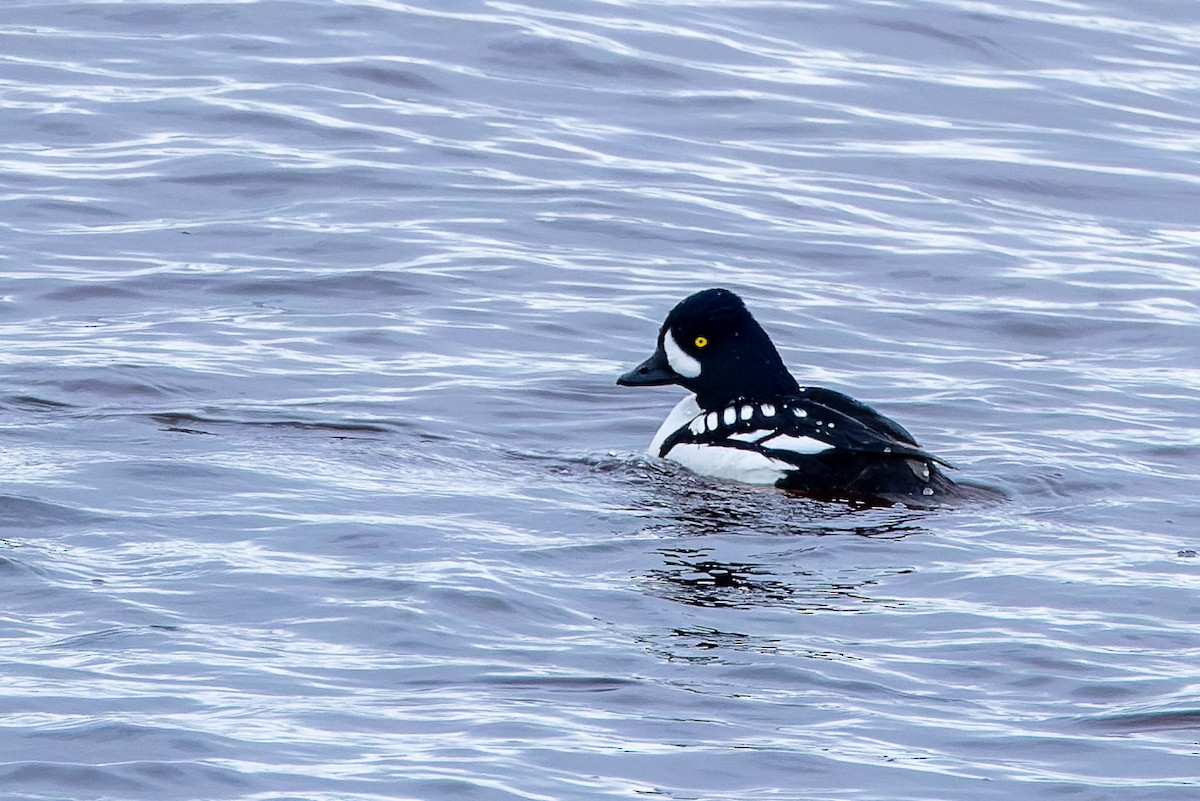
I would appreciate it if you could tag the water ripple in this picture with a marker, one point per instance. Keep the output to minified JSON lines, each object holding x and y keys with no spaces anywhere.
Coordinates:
{"x":318,"y":486}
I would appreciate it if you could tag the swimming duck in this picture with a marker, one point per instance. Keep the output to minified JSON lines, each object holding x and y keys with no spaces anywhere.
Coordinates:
{"x":748,"y":420}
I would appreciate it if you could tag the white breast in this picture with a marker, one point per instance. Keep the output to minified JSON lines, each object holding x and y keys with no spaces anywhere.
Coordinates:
{"x":684,"y":412}
{"x":733,"y":464}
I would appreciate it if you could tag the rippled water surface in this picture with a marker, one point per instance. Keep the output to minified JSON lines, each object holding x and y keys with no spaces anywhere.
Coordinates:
{"x":316,"y":484}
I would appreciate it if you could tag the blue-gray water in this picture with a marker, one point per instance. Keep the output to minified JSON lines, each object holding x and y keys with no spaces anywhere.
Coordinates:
{"x":316,"y":485}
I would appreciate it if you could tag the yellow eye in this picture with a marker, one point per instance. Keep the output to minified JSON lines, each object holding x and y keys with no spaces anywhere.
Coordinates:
{"x":701,"y":342}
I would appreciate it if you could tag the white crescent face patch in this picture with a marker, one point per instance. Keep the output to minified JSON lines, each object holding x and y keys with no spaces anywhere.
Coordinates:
{"x":680,"y":362}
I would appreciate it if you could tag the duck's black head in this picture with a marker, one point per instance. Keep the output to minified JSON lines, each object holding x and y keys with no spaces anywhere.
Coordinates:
{"x":711,"y":346}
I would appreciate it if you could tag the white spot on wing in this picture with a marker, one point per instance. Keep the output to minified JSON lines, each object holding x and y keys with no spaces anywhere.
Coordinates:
{"x":747,"y":412}
{"x":799,"y":412}
{"x":767,"y":409}
{"x":750,"y":436}
{"x":730,"y":416}
{"x":805,"y":445}
{"x":712,"y":421}
{"x":680,"y":362}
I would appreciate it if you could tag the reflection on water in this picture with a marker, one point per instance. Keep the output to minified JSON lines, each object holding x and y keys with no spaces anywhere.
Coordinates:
{"x":689,"y":577}
{"x":702,"y":645}
{"x":684,"y":504}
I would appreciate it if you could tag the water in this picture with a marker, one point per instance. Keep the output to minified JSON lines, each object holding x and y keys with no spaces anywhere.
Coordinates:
{"x":316,"y":484}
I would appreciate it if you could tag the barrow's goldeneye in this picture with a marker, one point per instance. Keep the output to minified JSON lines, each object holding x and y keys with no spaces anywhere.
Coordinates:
{"x":748,"y":420}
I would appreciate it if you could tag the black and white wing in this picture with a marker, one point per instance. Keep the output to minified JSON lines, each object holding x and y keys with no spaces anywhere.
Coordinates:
{"x":798,"y":427}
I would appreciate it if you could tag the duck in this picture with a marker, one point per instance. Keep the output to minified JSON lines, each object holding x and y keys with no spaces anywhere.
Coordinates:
{"x":746,"y":418}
